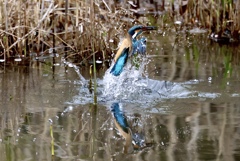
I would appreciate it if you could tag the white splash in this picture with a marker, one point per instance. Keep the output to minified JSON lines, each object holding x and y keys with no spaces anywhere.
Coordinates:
{"x":134,"y":86}
{"x":125,"y":84}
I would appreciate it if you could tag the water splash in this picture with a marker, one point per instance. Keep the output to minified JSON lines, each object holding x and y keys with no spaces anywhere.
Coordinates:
{"x":134,"y":86}
{"x":75,"y":67}
{"x":123,"y":86}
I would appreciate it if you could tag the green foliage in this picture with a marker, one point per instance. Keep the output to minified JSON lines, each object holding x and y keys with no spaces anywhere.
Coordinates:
{"x":227,"y":64}
{"x":136,"y":60}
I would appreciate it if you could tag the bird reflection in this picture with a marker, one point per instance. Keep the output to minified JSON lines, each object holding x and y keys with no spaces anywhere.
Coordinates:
{"x":130,"y":46}
{"x":134,"y":141}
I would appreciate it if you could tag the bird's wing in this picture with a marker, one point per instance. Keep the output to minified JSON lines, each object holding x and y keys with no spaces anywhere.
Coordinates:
{"x":120,"y":63}
{"x":120,"y":118}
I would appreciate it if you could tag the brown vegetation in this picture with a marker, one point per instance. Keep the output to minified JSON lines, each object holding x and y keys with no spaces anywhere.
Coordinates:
{"x":79,"y":28}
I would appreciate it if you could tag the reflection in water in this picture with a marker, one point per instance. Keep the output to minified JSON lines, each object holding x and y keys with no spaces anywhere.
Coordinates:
{"x":186,"y":104}
{"x":134,"y":140}
{"x":123,"y":127}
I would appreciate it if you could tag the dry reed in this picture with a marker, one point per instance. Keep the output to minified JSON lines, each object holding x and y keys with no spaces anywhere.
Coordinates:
{"x":79,"y":26}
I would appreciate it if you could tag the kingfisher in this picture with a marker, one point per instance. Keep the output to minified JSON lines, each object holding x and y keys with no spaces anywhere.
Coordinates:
{"x":130,"y":46}
{"x":133,"y":140}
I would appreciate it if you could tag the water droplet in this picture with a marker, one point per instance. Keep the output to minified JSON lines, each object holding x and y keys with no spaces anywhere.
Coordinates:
{"x":17,"y":59}
{"x":69,"y":108}
{"x":178,"y":22}
{"x":70,"y":65}
{"x":51,"y":50}
{"x":56,"y":64}
{"x":98,"y":61}
{"x":111,"y":40}
{"x":50,"y":121}
{"x":209,"y":79}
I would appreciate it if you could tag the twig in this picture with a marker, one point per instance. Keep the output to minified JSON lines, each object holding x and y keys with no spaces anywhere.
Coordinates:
{"x":50,"y":9}
{"x":106,"y":5}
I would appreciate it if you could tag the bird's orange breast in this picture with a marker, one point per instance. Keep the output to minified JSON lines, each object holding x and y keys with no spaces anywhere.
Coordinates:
{"x":126,"y":43}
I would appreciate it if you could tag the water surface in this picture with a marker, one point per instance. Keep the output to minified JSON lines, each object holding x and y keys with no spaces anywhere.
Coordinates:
{"x":184,"y":99}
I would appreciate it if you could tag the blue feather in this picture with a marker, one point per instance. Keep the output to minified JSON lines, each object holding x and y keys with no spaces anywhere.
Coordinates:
{"x":120,"y":63}
{"x":139,"y":46}
{"x":120,"y":117}
{"x":138,"y":138}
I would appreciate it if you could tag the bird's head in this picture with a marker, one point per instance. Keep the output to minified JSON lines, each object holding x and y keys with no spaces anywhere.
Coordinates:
{"x":138,"y":29}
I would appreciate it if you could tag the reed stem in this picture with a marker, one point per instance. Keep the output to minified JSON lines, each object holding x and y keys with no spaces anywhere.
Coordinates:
{"x":95,"y":79}
{"x":66,"y":28}
{"x":52,"y":140}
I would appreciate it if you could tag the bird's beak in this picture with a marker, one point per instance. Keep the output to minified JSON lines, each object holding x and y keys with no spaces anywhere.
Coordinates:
{"x":149,"y":28}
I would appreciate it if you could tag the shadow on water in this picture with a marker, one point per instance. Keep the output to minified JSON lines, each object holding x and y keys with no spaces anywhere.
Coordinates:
{"x":182,"y":103}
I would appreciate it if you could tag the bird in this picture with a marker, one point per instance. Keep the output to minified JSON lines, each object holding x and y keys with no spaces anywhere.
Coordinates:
{"x":133,"y":140}
{"x":130,"y":46}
